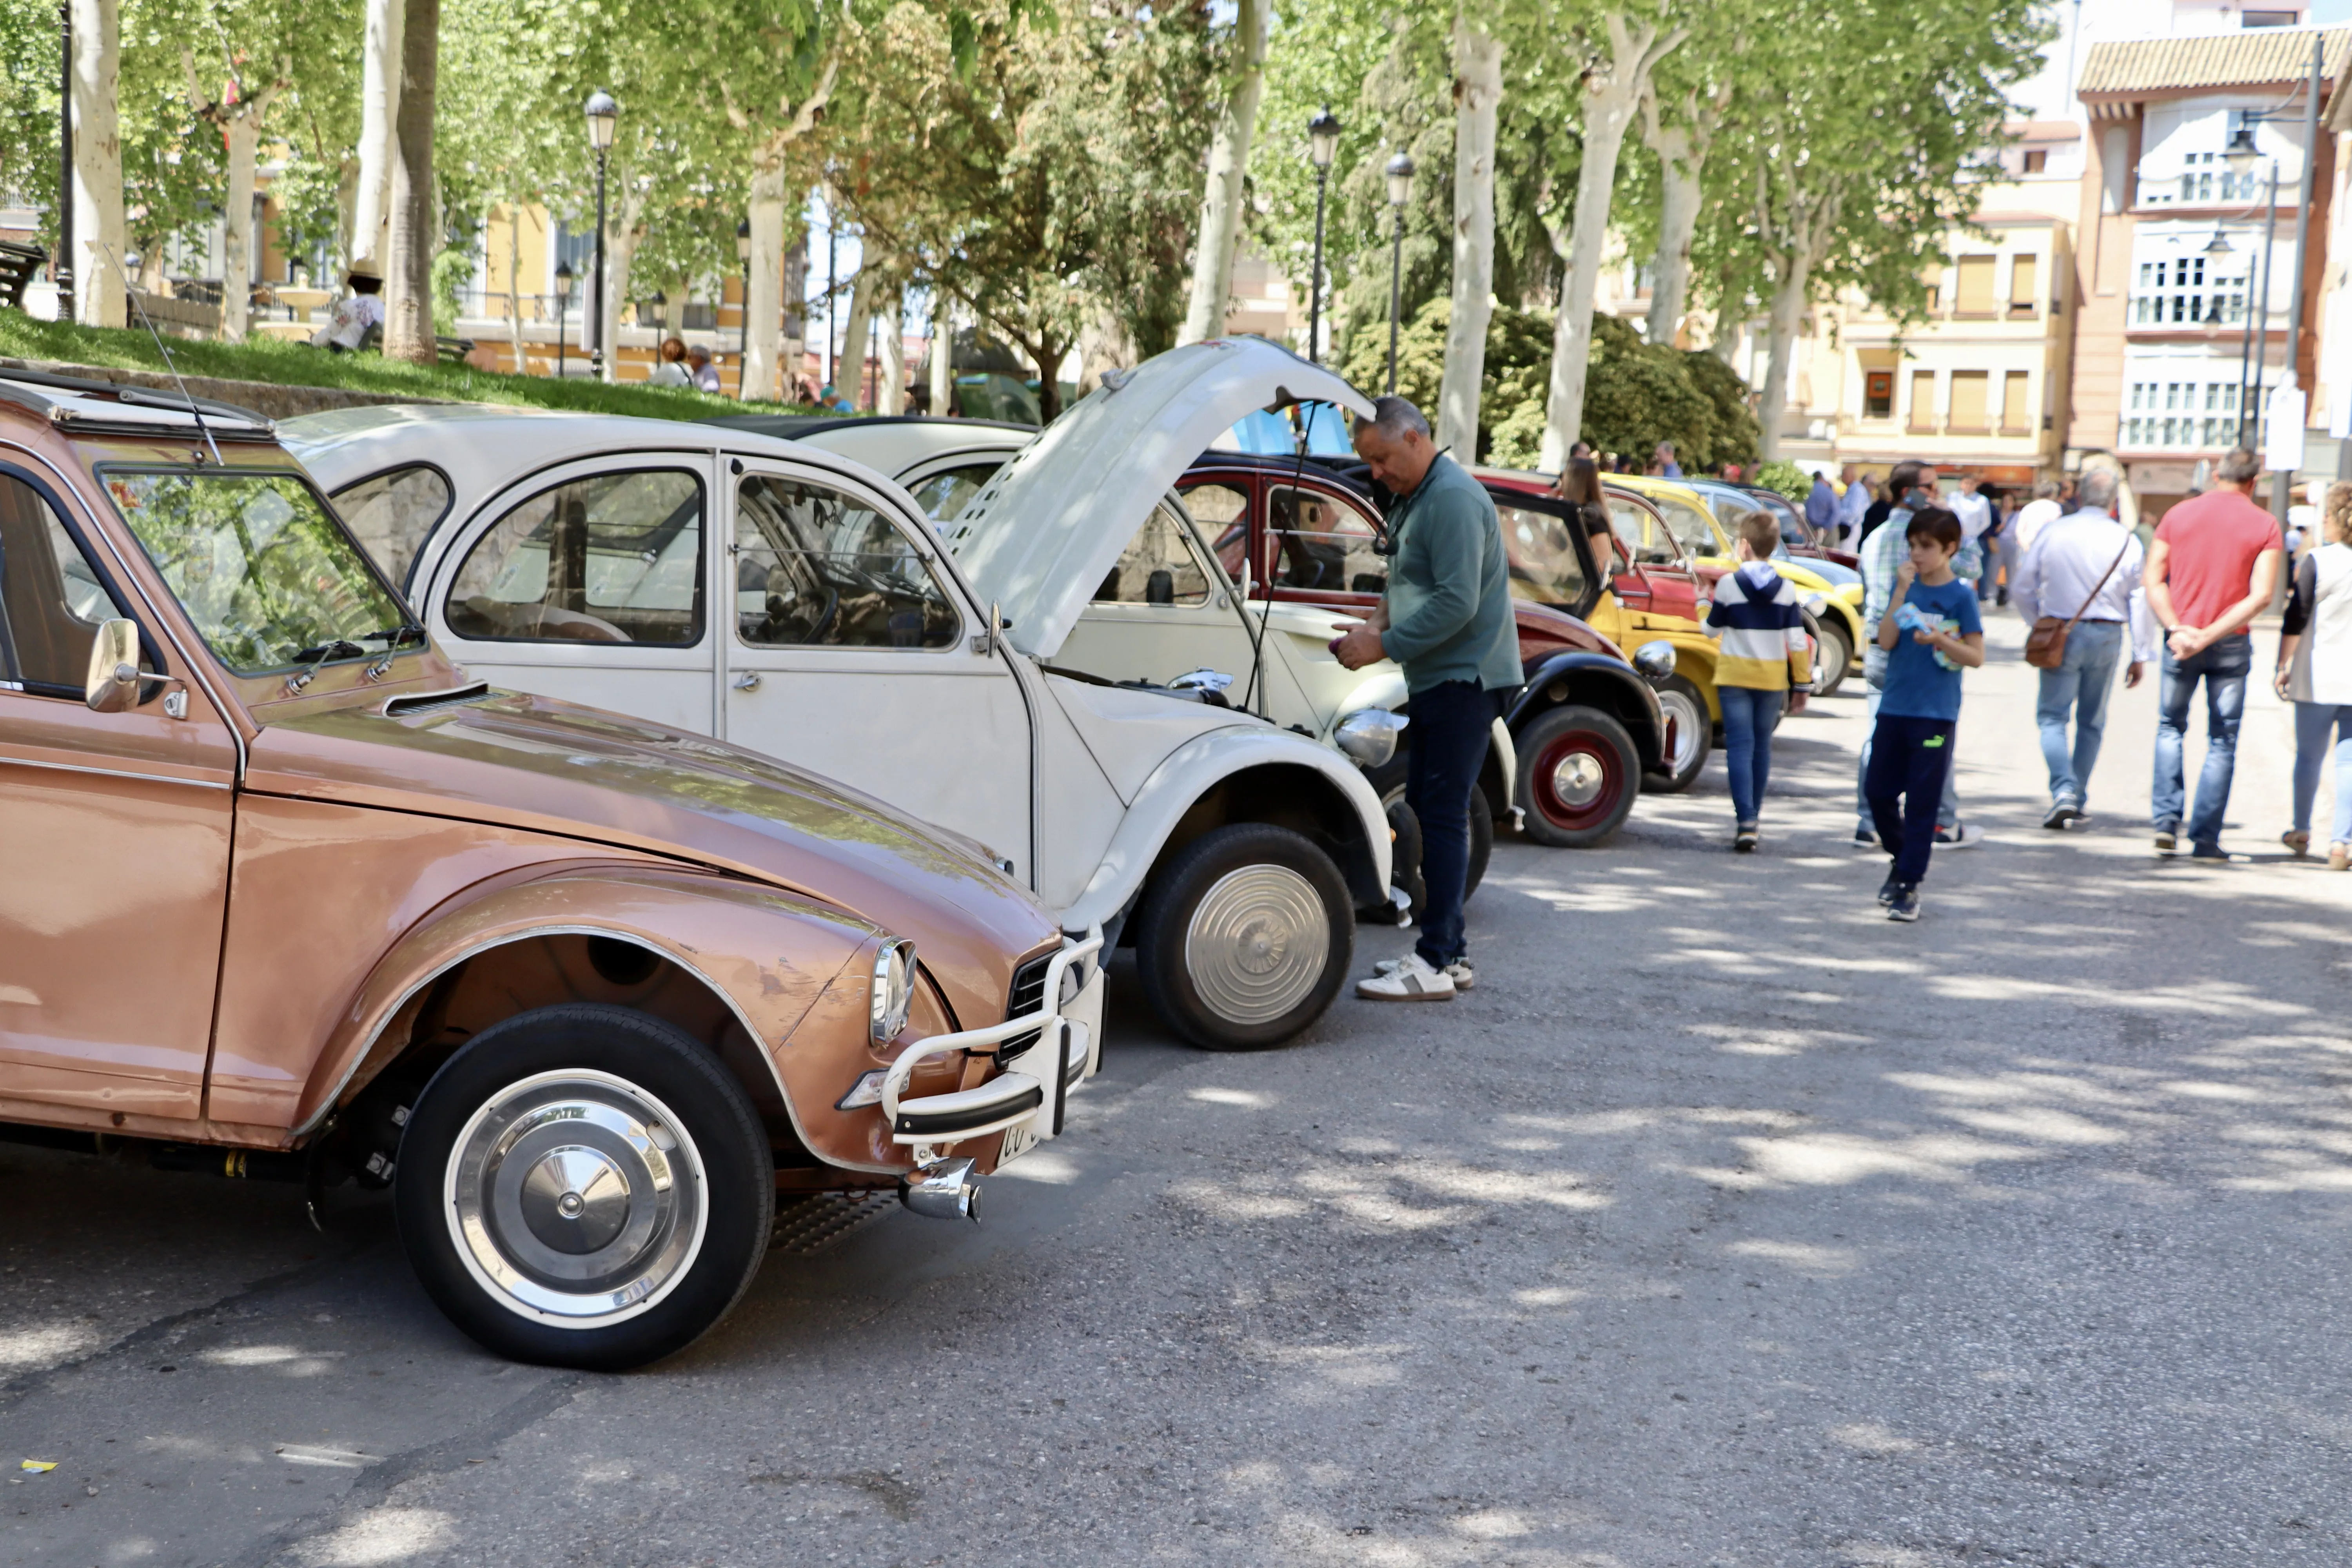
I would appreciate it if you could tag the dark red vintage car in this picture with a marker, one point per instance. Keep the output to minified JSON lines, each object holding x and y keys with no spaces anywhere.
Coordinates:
{"x":1587,"y":726}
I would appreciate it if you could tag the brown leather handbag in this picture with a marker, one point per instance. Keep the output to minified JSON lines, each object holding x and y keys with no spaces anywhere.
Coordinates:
{"x":2045,"y":645}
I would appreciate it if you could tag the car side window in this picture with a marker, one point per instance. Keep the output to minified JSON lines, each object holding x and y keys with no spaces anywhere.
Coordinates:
{"x":1690,"y":529}
{"x":1157,"y":567}
{"x":1633,"y":527}
{"x":814,"y":568}
{"x":1319,"y":542}
{"x":390,"y":514}
{"x":944,"y":494}
{"x":1545,"y":567}
{"x":616,"y":557}
{"x":1223,"y":512}
{"x":50,"y":599}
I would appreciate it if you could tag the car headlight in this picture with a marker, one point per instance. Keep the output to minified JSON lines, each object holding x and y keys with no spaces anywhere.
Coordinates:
{"x":893,"y":992}
{"x":1369,"y":735}
{"x":1655,"y":658}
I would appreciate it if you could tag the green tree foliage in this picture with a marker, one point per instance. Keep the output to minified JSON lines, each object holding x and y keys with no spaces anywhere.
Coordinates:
{"x":1786,"y":478}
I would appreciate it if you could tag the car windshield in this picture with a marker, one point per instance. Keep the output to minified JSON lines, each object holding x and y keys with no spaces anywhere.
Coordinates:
{"x":269,"y":579}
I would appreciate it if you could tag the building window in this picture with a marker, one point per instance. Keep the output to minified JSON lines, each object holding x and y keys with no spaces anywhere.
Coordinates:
{"x":1974,"y":295}
{"x":2037,"y":160}
{"x":1878,"y":394}
{"x":1968,"y":416}
{"x":2024,"y":275}
{"x":2182,"y":415}
{"x":2015,"y":417}
{"x":1923,"y":401}
{"x":2268,"y":18}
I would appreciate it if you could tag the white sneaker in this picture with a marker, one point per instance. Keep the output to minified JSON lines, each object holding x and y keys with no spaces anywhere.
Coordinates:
{"x":1413,"y":980}
{"x":1464,"y":978}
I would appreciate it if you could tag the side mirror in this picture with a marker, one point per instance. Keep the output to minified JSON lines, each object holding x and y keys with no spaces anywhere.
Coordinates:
{"x":1655,"y":659}
{"x":113,"y":684}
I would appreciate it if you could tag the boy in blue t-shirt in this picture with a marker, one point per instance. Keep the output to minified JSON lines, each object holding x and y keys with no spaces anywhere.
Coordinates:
{"x":1930,"y":632}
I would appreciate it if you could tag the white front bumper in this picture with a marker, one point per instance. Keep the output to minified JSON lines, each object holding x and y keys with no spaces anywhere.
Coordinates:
{"x":1026,"y":1104}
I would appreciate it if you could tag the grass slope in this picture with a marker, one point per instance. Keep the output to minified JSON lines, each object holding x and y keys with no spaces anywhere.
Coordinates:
{"x":297,"y":364}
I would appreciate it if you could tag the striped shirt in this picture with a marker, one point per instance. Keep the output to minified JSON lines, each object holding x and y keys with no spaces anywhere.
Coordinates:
{"x":1757,"y":615}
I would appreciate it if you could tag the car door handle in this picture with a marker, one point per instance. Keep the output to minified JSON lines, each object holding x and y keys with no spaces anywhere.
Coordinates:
{"x":748,"y":681}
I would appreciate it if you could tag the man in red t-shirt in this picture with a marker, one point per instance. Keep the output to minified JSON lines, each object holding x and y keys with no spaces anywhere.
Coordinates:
{"x":2214,"y":565}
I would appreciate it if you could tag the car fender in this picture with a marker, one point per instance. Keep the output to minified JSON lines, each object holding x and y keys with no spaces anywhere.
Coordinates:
{"x":1595,"y":680}
{"x":770,"y":957}
{"x":1338,"y":800}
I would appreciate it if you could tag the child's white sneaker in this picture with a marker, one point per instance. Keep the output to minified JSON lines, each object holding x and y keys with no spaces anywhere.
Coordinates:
{"x":1413,"y":980}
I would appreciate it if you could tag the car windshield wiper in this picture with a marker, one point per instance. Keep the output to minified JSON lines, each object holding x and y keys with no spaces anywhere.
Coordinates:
{"x":311,"y":658}
{"x":401,"y":636}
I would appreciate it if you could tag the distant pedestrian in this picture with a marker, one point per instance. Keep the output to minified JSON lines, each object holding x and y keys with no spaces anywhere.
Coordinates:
{"x":1913,"y":486}
{"x":1929,"y":634}
{"x":1446,"y":618}
{"x":356,"y":314}
{"x":701,"y":370}
{"x":1968,"y":503}
{"x":1664,"y":458}
{"x":2085,"y":568}
{"x":2315,"y":673}
{"x":1821,"y":507}
{"x":1992,"y":583}
{"x":670,"y":370}
{"x":1766,"y":661}
{"x":2213,"y":567}
{"x":1851,"y":505}
{"x":1580,"y":449}
{"x":2027,"y":523}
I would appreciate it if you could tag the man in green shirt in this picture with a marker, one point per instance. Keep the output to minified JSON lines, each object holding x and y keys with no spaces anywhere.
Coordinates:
{"x":1447,"y":619}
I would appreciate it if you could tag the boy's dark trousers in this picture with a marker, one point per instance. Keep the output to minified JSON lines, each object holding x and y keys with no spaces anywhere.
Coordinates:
{"x":1908,"y":759}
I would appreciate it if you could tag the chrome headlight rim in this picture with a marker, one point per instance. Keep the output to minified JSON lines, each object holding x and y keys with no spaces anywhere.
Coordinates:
{"x":1369,"y":735}
{"x":892,"y":994}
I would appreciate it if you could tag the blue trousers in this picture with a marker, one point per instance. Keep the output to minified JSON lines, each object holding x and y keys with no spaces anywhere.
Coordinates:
{"x":2312,"y":721}
{"x":1452,"y":727}
{"x":2078,"y":688}
{"x":1909,"y":760}
{"x":1749,"y":717}
{"x":2222,"y":668}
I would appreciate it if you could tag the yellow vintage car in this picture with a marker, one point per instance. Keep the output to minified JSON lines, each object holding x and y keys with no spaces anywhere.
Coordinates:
{"x":1701,"y":515}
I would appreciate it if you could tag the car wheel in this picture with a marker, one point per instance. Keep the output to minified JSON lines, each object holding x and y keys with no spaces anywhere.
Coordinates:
{"x":1405,"y":848}
{"x":1245,"y":937}
{"x":1831,"y":654}
{"x":1578,"y":770}
{"x":584,"y":1185}
{"x":1692,"y":732}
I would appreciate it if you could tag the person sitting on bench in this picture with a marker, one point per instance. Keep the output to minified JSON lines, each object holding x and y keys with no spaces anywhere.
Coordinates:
{"x":356,"y":314}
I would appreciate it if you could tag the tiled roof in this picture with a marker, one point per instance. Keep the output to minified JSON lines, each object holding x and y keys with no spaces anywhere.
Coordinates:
{"x":2044,"y":130}
{"x":2254,"y":56}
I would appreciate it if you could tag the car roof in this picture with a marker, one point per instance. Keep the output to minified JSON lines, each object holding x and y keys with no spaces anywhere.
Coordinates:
{"x":899,"y":445}
{"x":78,"y":405}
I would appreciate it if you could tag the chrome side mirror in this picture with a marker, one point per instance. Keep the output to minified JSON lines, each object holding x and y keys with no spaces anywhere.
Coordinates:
{"x":1655,"y":659}
{"x":113,"y":684}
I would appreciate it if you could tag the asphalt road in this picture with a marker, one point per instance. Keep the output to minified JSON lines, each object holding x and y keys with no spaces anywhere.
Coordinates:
{"x":1726,"y":1223}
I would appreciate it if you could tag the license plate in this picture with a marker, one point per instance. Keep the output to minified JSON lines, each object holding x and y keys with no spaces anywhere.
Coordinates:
{"x":1018,"y":1140}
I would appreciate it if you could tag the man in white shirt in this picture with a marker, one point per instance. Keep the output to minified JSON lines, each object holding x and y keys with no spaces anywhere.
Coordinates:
{"x":2084,"y":562}
{"x":2033,"y":518}
{"x":1975,"y":513}
{"x":356,"y":314}
{"x":1856,"y":502}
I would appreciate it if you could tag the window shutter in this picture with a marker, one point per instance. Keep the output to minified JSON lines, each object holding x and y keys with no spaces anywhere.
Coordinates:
{"x":1923,"y":400}
{"x":2014,"y":417}
{"x":1968,"y":400}
{"x":1976,"y":286}
{"x":2024,"y":275}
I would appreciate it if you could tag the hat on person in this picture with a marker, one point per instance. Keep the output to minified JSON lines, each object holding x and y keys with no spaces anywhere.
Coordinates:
{"x":365,"y":268}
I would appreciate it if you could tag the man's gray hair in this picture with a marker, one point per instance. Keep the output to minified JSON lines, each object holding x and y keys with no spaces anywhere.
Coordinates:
{"x":2095,"y":490}
{"x":2046,"y":489}
{"x":2239,"y":467}
{"x":1393,"y":417}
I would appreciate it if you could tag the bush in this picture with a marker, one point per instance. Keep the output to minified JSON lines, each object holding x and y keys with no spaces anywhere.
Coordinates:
{"x":1788,"y":478}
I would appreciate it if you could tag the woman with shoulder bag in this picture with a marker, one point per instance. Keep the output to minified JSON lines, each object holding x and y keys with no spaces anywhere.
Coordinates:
{"x":2315,"y":673}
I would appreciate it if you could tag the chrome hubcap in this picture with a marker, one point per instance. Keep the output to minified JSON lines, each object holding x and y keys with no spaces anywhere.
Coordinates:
{"x":1256,"y":944}
{"x":576,"y":1199}
{"x":1578,"y":779}
{"x":1690,"y":726}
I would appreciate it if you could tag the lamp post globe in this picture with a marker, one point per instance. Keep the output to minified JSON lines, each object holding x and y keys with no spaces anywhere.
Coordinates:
{"x":604,"y":121}
{"x":1322,"y":145}
{"x":2242,"y":154}
{"x":743,"y":315}
{"x":1400,"y":173}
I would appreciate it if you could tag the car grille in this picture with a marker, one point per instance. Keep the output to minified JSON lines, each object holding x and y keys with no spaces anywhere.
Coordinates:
{"x":1028,"y":995}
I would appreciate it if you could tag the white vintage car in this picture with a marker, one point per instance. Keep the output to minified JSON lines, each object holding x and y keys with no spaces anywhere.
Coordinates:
{"x":574,"y":555}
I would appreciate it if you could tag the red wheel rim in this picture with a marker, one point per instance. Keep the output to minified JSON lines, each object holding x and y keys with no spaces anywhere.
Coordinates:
{"x":1577,"y":781}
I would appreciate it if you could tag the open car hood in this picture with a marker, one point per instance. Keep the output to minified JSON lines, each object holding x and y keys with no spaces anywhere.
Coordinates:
{"x":1047,"y":529}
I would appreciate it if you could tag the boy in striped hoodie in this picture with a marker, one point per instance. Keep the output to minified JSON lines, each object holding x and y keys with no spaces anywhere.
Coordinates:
{"x":1766,"y":660}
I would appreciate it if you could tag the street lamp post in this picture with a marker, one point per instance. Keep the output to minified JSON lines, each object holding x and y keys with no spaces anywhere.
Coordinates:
{"x":1322,"y":144}
{"x":604,"y":120}
{"x":1400,"y":191}
{"x":562,"y":303}
{"x":743,"y":316}
{"x":63,"y":270}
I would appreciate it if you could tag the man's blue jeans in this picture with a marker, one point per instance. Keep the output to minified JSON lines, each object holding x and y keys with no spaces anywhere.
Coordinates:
{"x":1749,"y":717}
{"x":2222,"y":668}
{"x":2081,"y":685}
{"x":2312,"y":721}
{"x":1452,"y":725}
{"x":1873,"y":675}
